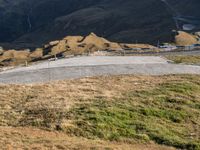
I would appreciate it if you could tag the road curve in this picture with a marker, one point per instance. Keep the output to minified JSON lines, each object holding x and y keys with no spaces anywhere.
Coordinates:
{"x":94,"y":66}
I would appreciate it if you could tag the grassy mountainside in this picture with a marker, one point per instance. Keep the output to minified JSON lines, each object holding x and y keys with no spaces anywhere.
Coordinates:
{"x":187,"y":7}
{"x":120,"y":109}
{"x":124,"y":21}
{"x":21,"y":17}
{"x":35,"y":23}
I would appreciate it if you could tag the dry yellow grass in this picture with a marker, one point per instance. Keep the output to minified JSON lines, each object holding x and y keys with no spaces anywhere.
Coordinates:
{"x":13,"y":57}
{"x":146,"y":46}
{"x":63,"y":95}
{"x":31,"y":138}
{"x":72,"y":91}
{"x":38,"y":53}
{"x":23,"y":107}
{"x":185,"y":39}
{"x":70,"y":45}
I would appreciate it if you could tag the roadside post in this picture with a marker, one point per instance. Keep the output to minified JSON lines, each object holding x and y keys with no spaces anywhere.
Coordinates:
{"x":49,"y":71}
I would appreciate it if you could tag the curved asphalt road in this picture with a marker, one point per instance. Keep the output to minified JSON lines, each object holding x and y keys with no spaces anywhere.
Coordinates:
{"x":79,"y":67}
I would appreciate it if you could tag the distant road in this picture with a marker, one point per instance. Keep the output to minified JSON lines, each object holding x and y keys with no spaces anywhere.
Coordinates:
{"x":181,"y":52}
{"x":79,"y":67}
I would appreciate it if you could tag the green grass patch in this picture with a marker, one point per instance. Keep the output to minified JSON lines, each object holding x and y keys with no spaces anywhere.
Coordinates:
{"x":165,"y":114}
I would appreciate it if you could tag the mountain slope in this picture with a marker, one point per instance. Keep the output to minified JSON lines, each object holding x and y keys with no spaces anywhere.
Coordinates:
{"x":129,"y":21}
{"x":69,"y":45}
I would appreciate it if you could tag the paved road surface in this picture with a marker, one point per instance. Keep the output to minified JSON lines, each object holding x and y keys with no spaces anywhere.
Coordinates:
{"x":93,"y":66}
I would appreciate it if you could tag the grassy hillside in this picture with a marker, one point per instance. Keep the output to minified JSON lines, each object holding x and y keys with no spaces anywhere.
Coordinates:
{"x":121,"y":109}
{"x":191,"y":9}
{"x":34,"y":23}
{"x":70,"y":45}
{"x":122,"y":21}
